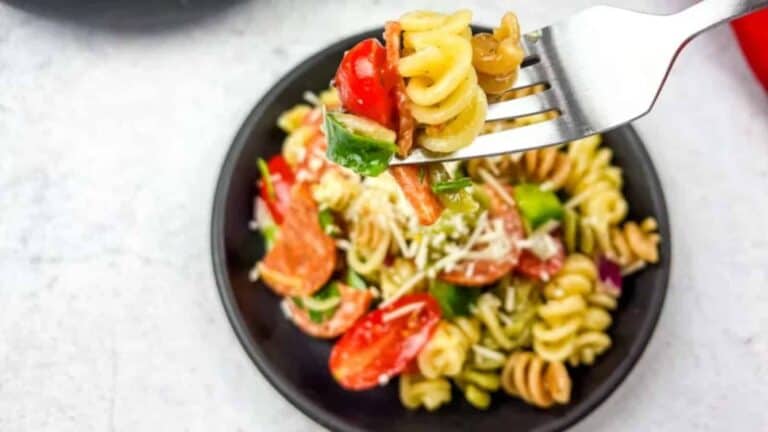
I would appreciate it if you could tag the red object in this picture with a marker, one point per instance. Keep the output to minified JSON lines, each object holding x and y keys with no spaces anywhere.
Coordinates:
{"x":406,"y":124}
{"x":282,"y":180}
{"x":752,"y":34}
{"x":487,"y":271}
{"x":374,"y":350}
{"x":418,"y":192}
{"x":533,"y":267}
{"x":363,"y":87}
{"x":354,"y":303}
{"x":304,"y":256}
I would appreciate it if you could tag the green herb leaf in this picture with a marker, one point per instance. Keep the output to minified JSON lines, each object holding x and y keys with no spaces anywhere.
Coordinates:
{"x":270,"y":233}
{"x":451,"y":186}
{"x":328,"y":222}
{"x":453,"y":300}
{"x":355,"y":280}
{"x":266,"y":177}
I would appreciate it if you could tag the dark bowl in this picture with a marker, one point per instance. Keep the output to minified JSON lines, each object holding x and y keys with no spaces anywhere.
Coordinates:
{"x":297,"y":364}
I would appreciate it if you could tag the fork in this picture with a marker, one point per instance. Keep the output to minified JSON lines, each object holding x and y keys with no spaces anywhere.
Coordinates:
{"x":601,"y":68}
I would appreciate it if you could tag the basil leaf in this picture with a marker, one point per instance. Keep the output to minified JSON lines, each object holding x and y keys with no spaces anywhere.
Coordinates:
{"x":454,"y":301}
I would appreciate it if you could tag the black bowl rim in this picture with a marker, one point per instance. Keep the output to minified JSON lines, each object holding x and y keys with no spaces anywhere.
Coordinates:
{"x":329,"y":420}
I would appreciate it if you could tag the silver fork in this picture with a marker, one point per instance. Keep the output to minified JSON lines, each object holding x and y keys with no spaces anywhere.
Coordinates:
{"x":603,"y":67}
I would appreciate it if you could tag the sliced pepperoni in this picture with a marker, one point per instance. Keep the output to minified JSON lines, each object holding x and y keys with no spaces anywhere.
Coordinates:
{"x":534,"y":267}
{"x":483,"y":272}
{"x":406,"y":122}
{"x":354,"y":304}
{"x":418,"y":193}
{"x":303,"y":257}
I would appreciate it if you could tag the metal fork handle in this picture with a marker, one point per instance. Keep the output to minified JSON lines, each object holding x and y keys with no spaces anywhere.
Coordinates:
{"x":709,"y":13}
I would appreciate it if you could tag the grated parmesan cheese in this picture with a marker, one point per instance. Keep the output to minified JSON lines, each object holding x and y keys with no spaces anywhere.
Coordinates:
{"x":254,"y":274}
{"x":407,"y":286}
{"x":488,"y":353}
{"x":402,"y":311}
{"x":285,"y":309}
{"x":492,"y":182}
{"x":509,"y":299}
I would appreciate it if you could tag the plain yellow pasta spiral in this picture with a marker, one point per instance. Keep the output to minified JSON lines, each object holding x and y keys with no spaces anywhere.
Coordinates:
{"x":441,"y":82}
{"x":445,"y":353}
{"x":577,"y":277}
{"x":290,"y":120}
{"x":535,"y":380}
{"x":555,"y":334}
{"x":370,"y":236}
{"x":336,"y":190}
{"x":417,"y":391}
{"x":593,"y":339}
{"x":497,"y":57}
{"x":295,"y":144}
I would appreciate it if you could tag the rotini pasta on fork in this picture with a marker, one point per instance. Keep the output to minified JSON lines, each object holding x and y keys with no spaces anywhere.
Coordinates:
{"x":492,"y":276}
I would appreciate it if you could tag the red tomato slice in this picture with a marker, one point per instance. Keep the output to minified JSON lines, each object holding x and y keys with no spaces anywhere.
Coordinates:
{"x":533,"y":267}
{"x":487,"y":271}
{"x":375,"y":350}
{"x":354,"y":303}
{"x":282,"y":180}
{"x":304,"y":256}
{"x":405,"y":120}
{"x":418,"y":193}
{"x":361,"y":83}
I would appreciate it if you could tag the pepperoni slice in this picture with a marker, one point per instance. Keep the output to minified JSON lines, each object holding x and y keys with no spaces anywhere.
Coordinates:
{"x":477,"y":273}
{"x":303,"y":256}
{"x":418,"y":193}
{"x":406,"y":122}
{"x":533,"y":267}
{"x":354,"y":304}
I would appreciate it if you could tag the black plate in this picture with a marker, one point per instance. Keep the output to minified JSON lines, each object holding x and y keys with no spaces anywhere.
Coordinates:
{"x":297,"y":364}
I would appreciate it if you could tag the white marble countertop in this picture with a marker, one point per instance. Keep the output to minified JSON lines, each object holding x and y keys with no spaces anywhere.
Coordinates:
{"x":110,"y":145}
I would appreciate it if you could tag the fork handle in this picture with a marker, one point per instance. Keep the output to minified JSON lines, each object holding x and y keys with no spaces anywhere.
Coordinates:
{"x":708,"y":13}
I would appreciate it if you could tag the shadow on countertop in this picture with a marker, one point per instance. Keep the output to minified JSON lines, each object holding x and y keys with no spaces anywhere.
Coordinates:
{"x":126,"y":15}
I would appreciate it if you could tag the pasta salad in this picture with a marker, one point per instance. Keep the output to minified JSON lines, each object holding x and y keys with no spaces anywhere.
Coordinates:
{"x":494,"y":275}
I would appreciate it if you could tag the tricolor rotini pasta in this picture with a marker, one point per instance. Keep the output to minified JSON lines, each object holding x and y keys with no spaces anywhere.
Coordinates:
{"x":493,"y":276}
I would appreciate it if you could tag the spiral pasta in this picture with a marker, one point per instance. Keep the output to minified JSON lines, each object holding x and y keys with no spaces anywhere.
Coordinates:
{"x":593,"y":339}
{"x":291,"y":120}
{"x":497,"y":57}
{"x":370,"y":236}
{"x":536,"y":381}
{"x":392,"y":277}
{"x":416,"y":391}
{"x":478,"y":386}
{"x":548,"y":166}
{"x":442,"y":84}
{"x":635,"y":244}
{"x":336,"y":190}
{"x":445,"y":353}
{"x":295,"y":144}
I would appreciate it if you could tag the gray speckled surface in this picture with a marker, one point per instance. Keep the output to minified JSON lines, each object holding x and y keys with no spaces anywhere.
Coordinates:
{"x":110,"y":144}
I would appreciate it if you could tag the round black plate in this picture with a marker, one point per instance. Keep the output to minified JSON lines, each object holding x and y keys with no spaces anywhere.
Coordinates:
{"x":297,"y":364}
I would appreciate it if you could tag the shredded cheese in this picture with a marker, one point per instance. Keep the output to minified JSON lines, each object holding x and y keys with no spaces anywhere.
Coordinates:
{"x":286,"y":309}
{"x":404,"y":288}
{"x":402,"y":311}
{"x":343,"y":244}
{"x":488,"y":353}
{"x":254,"y":274}
{"x":398,"y":235}
{"x":509,"y":299}
{"x":492,"y":182}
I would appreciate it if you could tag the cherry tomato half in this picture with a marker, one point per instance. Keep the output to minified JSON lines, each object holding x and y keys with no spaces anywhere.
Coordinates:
{"x":362,"y":84}
{"x":382,"y":344}
{"x":282,"y":179}
{"x":533,"y":267}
